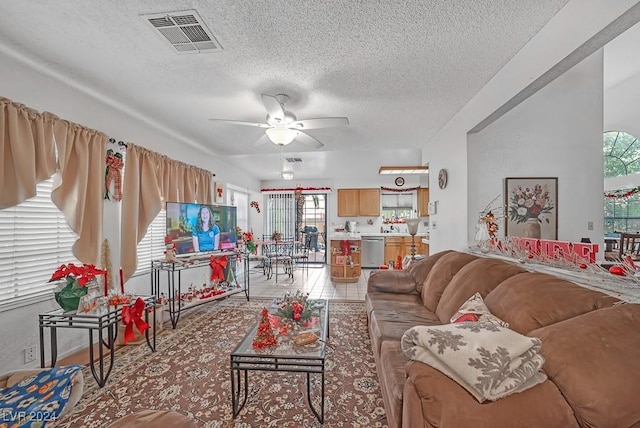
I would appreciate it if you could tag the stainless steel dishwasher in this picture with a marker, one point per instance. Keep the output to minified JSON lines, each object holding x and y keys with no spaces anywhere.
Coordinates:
{"x":372,"y":251}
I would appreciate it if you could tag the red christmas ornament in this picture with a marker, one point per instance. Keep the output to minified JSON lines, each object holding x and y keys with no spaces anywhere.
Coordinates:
{"x":617,"y":270}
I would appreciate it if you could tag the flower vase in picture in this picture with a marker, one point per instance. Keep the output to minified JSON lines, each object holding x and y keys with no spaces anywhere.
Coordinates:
{"x":532,"y":228}
{"x":531,"y":205}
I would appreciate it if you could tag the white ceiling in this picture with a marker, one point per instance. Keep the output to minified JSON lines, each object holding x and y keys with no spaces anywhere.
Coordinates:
{"x":399,"y":70}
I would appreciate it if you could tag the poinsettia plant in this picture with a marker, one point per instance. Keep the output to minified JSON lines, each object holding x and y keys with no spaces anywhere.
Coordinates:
{"x":295,"y":306}
{"x":74,"y":273}
{"x":248,"y":240}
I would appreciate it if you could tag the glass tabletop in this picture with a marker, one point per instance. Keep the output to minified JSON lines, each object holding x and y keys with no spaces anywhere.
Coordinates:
{"x":285,"y":348}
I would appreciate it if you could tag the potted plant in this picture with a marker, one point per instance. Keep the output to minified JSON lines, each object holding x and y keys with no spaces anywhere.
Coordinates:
{"x":77,"y":281}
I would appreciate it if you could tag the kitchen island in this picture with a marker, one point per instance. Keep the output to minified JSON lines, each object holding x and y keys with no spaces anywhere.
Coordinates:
{"x":345,"y":257}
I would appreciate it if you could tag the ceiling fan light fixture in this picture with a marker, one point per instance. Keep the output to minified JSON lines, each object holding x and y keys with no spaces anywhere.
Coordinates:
{"x":287,"y":175}
{"x":281,"y":136}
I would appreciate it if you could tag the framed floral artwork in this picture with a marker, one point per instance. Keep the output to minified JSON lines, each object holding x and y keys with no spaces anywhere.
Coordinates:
{"x":531,"y":207}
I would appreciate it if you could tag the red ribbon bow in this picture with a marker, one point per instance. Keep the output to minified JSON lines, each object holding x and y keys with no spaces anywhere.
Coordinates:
{"x":133,"y":315}
{"x":346,"y":247}
{"x":217,"y":267}
{"x":114,"y":173}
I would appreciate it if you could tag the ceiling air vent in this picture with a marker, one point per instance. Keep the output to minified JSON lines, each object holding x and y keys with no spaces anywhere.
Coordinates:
{"x":294,"y":160}
{"x":184,"y":30}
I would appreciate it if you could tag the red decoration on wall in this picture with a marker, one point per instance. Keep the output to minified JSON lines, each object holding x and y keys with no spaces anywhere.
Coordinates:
{"x":288,"y":189}
{"x":254,"y":204}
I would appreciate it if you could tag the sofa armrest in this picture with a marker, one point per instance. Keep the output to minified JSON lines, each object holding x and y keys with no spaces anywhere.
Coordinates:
{"x":391,"y":281}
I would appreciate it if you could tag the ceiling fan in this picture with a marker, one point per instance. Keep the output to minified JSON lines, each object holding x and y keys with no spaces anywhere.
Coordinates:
{"x":283,"y":127}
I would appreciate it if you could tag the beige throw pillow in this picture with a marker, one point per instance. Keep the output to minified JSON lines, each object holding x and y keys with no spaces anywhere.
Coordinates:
{"x":474,"y":310}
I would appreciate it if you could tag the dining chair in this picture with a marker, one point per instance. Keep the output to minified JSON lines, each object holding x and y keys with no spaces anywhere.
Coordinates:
{"x":279,"y":254}
{"x":300,"y":256}
{"x":629,"y":246}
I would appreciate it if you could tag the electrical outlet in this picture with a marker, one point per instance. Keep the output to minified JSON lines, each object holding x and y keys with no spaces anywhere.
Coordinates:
{"x":590,"y":225}
{"x":30,"y":354}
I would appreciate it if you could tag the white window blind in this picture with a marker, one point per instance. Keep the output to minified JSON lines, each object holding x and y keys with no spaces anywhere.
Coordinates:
{"x":152,"y":245}
{"x":35,"y":240}
{"x":280,"y":215}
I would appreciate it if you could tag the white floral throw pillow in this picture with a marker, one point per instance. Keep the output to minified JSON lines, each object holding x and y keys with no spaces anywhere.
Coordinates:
{"x":474,"y":310}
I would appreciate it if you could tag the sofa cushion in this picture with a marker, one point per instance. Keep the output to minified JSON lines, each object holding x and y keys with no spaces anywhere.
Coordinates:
{"x":441,"y":274}
{"x":391,"y":281}
{"x":391,"y":323}
{"x":373,"y":301}
{"x":431,"y":399}
{"x":533,"y":300}
{"x":482,"y":276}
{"x":594,"y":359}
{"x":392,"y":377}
{"x":420,"y":270}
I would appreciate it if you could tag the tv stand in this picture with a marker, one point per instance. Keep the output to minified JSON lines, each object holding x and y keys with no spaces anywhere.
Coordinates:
{"x":174,"y":281}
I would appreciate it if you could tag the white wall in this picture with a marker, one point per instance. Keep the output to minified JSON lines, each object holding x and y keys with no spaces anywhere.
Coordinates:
{"x":557,"y":132}
{"x":576,"y":23}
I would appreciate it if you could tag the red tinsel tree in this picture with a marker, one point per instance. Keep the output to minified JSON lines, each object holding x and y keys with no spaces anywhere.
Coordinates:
{"x":265,"y":336}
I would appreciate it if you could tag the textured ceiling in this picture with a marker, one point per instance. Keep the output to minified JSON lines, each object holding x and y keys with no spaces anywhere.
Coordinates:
{"x":399,"y":70}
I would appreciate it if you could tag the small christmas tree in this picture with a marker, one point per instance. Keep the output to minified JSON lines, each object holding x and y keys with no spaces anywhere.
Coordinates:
{"x":265,"y":336}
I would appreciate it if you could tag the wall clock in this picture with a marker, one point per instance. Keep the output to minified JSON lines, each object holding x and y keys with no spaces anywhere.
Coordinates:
{"x":399,"y":181}
{"x":442,"y":178}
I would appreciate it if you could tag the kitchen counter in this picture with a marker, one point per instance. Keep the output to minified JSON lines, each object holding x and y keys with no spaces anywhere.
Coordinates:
{"x":418,"y":235}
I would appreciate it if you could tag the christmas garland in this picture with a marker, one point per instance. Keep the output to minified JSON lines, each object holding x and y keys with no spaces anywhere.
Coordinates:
{"x":406,"y":189}
{"x":622,"y":193}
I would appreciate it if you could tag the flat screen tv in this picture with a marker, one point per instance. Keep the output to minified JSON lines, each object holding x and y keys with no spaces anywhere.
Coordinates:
{"x":201,"y":228}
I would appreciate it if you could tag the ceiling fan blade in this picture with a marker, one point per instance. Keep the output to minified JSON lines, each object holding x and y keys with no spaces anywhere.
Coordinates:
{"x":274,"y":109}
{"x":262,"y":140}
{"x":308,"y":140}
{"x":239,"y":122}
{"x":323,"y":122}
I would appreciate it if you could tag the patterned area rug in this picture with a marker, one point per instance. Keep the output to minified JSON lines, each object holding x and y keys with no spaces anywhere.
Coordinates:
{"x":190,"y":374}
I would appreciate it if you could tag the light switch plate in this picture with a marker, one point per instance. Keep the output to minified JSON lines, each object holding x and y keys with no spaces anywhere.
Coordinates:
{"x":433,"y":207}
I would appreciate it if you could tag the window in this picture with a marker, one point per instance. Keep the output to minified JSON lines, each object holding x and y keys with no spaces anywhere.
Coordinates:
{"x":621,"y":154}
{"x":152,"y":245}
{"x":621,"y":158}
{"x":34,"y":240}
{"x":280,"y":215}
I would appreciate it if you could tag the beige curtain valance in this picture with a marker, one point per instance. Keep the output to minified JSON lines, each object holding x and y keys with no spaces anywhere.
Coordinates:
{"x":33,"y":147}
{"x":150,"y":179}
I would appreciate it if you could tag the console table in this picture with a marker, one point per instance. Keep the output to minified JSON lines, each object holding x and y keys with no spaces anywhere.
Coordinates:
{"x":174,"y":281}
{"x":93,"y":322}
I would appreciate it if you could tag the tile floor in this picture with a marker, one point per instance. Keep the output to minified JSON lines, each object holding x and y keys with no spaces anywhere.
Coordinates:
{"x":316,"y":280}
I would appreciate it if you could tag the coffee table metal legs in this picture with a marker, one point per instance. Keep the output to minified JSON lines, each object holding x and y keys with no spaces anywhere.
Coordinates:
{"x":236,"y":384}
{"x":319,"y":415}
{"x":240,"y":390}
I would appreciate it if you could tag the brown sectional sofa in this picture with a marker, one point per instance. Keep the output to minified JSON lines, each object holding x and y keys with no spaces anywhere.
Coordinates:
{"x":590,"y":342}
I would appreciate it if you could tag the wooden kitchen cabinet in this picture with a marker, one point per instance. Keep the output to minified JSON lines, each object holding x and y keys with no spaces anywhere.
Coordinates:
{"x":400,"y":245}
{"x":423,"y":201}
{"x":348,"y":202}
{"x":369,"y":202}
{"x":393,"y":247}
{"x":358,"y":202}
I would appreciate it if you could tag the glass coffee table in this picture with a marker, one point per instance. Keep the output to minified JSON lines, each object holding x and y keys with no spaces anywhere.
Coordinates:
{"x":284,"y":357}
